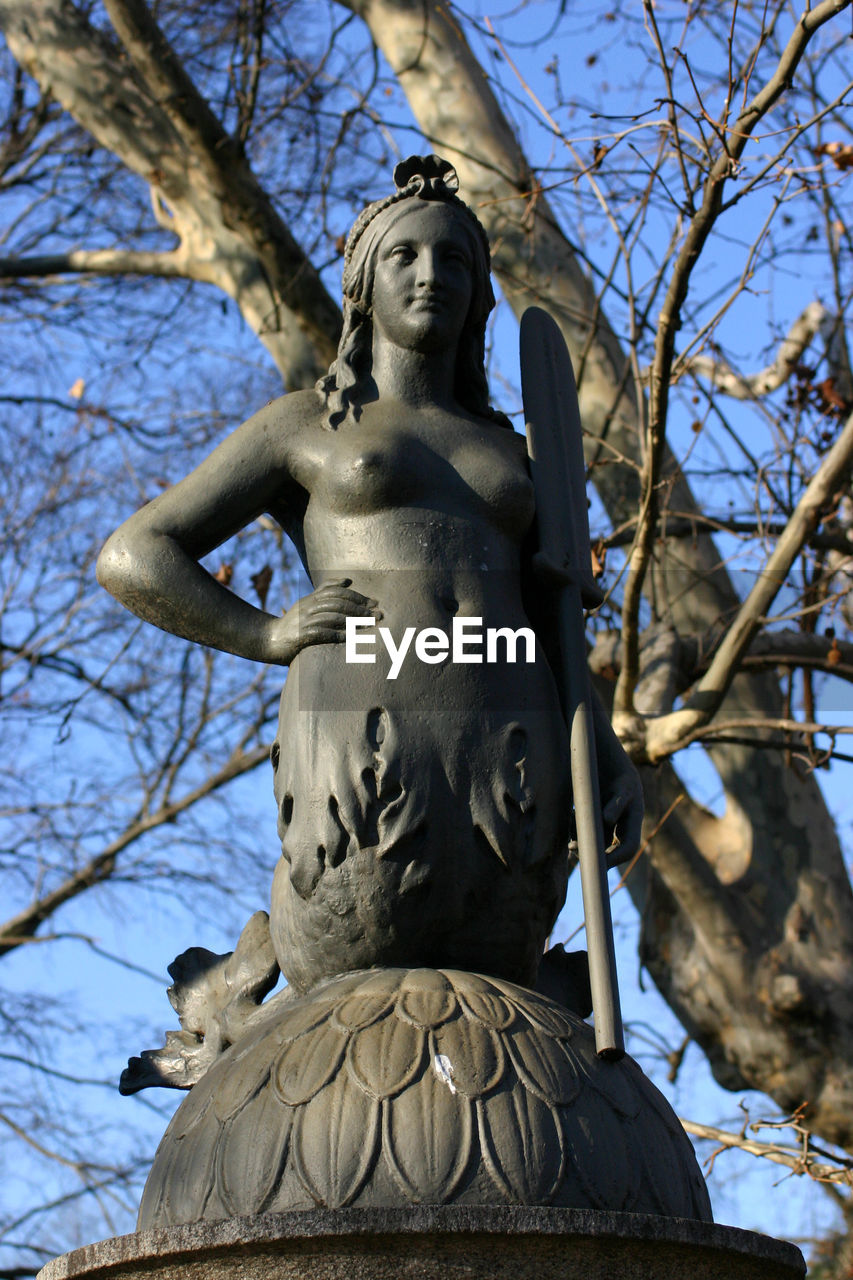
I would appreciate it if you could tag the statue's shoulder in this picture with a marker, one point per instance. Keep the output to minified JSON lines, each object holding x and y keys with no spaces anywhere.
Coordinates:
{"x":281,"y":429}
{"x":289,"y":415}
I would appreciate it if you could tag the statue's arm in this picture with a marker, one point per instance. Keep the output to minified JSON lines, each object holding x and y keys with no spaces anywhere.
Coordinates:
{"x":151,"y":563}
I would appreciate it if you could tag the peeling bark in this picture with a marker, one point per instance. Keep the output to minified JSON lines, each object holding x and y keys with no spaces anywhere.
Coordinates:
{"x":753,"y":952}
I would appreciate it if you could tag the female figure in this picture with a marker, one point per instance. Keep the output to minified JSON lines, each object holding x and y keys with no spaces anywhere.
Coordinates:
{"x":424,"y":813}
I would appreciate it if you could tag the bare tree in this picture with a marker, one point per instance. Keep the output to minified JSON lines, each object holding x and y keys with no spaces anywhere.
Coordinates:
{"x":147,"y":157}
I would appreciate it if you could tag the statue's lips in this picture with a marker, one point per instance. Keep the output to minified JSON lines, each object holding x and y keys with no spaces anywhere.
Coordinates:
{"x":428,"y":302}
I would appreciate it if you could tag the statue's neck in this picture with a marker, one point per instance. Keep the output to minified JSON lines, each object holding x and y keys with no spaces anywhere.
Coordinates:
{"x":414,"y":377}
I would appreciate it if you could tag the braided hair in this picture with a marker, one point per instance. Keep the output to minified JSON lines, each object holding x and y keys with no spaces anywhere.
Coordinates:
{"x":344,"y":386}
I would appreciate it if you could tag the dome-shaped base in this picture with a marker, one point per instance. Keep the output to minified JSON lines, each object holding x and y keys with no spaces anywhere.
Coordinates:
{"x":396,"y":1087}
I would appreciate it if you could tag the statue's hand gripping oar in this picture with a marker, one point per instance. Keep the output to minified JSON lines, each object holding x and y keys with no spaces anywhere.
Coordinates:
{"x":557,"y":467}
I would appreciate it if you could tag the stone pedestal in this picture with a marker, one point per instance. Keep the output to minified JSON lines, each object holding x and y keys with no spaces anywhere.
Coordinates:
{"x":426,"y":1243}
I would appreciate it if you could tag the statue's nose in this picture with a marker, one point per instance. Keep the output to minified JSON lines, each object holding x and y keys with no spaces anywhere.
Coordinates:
{"x":426,"y":269}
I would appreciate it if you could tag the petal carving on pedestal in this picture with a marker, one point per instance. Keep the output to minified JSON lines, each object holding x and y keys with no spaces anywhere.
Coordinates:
{"x":386,"y":1057}
{"x":303,"y":1017}
{"x":238,"y":1084}
{"x":620,"y":1084}
{"x":538,"y":1010}
{"x":304,"y":1066}
{"x":394,"y":1087}
{"x":599,"y":1156}
{"x":543,"y":1066}
{"x":522,"y":1144}
{"x":476,"y":1063}
{"x":334,"y":1142}
{"x":367,"y":1004}
{"x":481,"y":1001}
{"x":252,"y":1153}
{"x":181,"y":1184}
{"x":427,"y":1139}
{"x":426,"y":998}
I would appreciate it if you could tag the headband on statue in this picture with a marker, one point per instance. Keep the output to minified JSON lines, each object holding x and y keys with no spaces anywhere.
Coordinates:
{"x":421,"y":178}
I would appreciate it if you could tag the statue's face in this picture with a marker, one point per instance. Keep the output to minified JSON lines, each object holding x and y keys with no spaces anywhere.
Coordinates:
{"x":422,"y":283}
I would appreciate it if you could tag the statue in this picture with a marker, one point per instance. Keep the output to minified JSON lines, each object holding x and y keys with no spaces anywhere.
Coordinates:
{"x":423,"y":787}
{"x":411,"y":810}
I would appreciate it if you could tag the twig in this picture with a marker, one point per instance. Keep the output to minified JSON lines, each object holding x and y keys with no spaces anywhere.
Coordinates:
{"x":20,"y":928}
{"x":799,"y":1160}
{"x":670,"y":732}
{"x":751,"y":386}
{"x":699,"y":230}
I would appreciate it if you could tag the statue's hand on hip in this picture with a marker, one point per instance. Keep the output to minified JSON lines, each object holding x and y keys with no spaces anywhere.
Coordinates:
{"x":318,"y":618}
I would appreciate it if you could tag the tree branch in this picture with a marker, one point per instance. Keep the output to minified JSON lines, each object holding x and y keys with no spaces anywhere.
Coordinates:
{"x":684,"y":524}
{"x":699,"y":229}
{"x":157,"y":123}
{"x":22,"y":927}
{"x":799,"y":1160}
{"x":103,"y":262}
{"x":246,"y":207}
{"x":665,"y":735}
{"x":692,"y":654}
{"x":783,"y":724}
{"x":67,"y":667}
{"x":752,"y":386}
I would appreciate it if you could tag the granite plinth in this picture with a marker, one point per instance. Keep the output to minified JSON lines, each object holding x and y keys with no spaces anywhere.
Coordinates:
{"x":425,"y":1243}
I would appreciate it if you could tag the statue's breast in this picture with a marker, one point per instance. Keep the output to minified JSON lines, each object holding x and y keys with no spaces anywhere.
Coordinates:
{"x":367,"y":469}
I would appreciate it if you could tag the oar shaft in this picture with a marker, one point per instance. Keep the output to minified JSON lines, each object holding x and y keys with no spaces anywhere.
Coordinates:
{"x":609,"y":1040}
{"x":557,"y":468}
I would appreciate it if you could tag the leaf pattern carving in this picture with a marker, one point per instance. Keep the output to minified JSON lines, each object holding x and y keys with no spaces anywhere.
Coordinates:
{"x":427,"y":1140}
{"x":305,"y":1065}
{"x":481,"y":1002}
{"x":478,"y":1063}
{"x":426,"y":998}
{"x":386,"y":1057}
{"x":398,"y":1087}
{"x":593,"y":1132}
{"x":522,"y":1143}
{"x":335,"y":1137}
{"x":368,"y":1004}
{"x":543,"y":1067}
{"x":252,"y":1152}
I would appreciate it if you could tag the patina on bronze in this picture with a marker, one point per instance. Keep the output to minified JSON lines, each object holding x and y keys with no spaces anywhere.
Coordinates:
{"x":424,"y":820}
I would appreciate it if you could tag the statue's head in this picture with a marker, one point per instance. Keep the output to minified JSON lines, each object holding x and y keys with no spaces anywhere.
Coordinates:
{"x":420,"y":181}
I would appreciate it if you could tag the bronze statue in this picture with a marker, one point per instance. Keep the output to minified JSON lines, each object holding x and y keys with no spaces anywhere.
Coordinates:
{"x":424,"y":797}
{"x":424,"y":819}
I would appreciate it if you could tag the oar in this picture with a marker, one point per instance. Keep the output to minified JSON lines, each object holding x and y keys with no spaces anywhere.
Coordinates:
{"x":557,"y":466}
